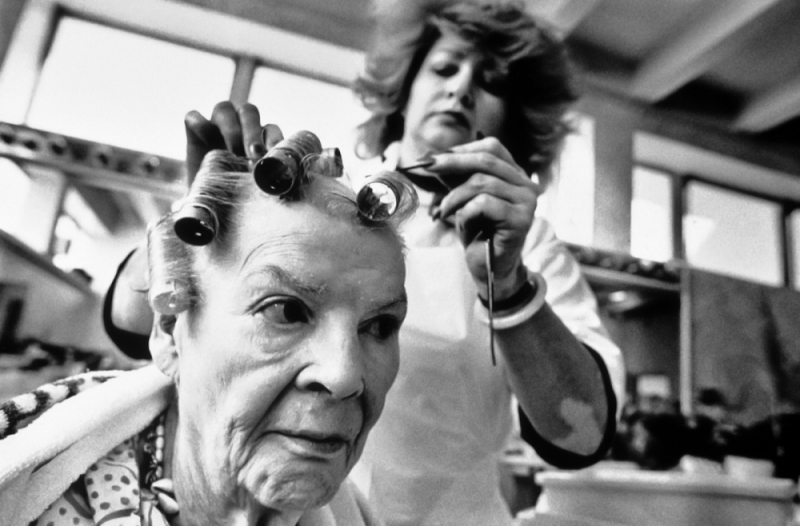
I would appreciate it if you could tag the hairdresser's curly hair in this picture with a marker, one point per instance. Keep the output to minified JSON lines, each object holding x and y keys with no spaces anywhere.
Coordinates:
{"x":539,"y":75}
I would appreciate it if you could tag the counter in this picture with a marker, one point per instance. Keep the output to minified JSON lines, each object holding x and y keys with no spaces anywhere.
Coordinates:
{"x":645,"y":498}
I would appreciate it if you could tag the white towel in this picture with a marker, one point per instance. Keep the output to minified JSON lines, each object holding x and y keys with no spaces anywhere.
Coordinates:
{"x":38,"y":463}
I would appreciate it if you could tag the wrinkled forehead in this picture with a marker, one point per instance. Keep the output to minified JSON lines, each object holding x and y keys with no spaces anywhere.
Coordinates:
{"x":308,"y":228}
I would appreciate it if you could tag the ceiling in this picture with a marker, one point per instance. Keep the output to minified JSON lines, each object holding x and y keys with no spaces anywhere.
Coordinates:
{"x":730,"y":66}
{"x":732,"y":63}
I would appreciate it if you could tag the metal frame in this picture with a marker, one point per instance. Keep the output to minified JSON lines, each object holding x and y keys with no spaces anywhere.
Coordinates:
{"x":176,"y":22}
{"x":247,"y":43}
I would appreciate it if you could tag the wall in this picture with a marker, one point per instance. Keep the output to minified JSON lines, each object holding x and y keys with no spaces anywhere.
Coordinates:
{"x":649,"y":340}
{"x":54,"y":311}
{"x":9,"y":14}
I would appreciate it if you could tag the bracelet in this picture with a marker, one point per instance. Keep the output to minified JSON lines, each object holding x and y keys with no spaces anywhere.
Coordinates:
{"x":525,"y":294}
{"x":520,"y":316}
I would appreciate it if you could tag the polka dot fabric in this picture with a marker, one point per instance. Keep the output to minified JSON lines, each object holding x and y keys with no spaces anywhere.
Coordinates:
{"x":112,"y":485}
{"x":107,"y":494}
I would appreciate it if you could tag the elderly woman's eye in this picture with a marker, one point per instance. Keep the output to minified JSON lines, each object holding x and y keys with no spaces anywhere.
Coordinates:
{"x":286,"y":311}
{"x":382,"y":327}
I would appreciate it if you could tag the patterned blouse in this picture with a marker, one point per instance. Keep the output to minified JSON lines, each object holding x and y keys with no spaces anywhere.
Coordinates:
{"x":112,"y":492}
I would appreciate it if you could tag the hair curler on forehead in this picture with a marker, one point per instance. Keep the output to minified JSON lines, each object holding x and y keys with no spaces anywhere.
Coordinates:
{"x":384,"y":195}
{"x":209,"y":216}
{"x":287,"y":165}
{"x":197,"y":222}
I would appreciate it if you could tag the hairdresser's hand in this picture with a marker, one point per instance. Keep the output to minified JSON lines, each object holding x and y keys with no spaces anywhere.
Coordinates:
{"x":236,"y":128}
{"x":496,"y":196}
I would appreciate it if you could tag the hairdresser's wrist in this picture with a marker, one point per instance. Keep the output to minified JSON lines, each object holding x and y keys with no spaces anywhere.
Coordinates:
{"x":507,"y":286}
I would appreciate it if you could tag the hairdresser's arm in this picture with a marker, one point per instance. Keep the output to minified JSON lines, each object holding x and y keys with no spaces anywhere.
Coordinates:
{"x":559,"y":383}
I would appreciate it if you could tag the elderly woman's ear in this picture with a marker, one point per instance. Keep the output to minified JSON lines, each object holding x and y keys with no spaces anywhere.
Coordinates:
{"x":162,"y":344}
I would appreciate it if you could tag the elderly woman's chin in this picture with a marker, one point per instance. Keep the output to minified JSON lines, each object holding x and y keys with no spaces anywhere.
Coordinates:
{"x":299,"y":490}
{"x":299,"y":483}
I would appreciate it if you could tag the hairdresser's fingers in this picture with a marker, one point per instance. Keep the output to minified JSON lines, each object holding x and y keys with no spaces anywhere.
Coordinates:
{"x":271,"y":135}
{"x":250,"y":121}
{"x":202,"y":136}
{"x":487,"y":144}
{"x":524,"y":195}
{"x":227,"y":119}
{"x":487,"y":214}
{"x":455,"y":168}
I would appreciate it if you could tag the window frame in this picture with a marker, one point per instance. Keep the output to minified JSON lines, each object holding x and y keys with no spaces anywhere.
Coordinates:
{"x":248,"y":43}
{"x":680,"y":184}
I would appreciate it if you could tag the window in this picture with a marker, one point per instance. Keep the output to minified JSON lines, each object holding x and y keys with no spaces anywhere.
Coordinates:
{"x":115,"y":87}
{"x":16,"y":185}
{"x":298,"y":103}
{"x":651,"y":215}
{"x":733,"y":233}
{"x":569,"y":201}
{"x":794,"y":247}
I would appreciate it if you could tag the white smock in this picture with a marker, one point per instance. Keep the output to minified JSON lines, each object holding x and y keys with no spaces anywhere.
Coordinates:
{"x":432,"y":458}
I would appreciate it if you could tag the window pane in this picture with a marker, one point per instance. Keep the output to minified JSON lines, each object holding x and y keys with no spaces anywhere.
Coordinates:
{"x":794,"y":246}
{"x":298,"y":103}
{"x":116,"y":87}
{"x":732,"y":233}
{"x":13,"y":195}
{"x":569,"y":201}
{"x":651,"y":215}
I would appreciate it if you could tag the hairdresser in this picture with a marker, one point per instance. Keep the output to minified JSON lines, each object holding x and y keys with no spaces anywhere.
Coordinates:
{"x":475,"y":98}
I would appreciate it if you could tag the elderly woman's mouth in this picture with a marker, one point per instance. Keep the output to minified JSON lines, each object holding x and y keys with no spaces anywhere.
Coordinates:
{"x":309,"y":443}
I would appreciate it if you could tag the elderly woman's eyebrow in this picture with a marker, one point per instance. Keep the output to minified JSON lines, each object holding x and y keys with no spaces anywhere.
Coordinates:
{"x":289,"y":280}
{"x":400,"y":301}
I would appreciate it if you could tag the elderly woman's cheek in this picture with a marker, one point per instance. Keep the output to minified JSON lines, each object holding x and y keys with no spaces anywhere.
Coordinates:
{"x":382,"y":372}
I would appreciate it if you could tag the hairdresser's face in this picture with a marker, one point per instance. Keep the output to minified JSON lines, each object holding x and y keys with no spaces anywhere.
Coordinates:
{"x":285,"y":368}
{"x":451,"y":98}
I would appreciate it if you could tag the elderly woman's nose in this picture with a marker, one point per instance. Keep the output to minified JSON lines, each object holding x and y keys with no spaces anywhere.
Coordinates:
{"x":337,"y":366}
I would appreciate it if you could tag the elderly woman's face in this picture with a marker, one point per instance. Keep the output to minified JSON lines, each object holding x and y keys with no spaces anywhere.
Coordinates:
{"x":285,"y":367}
{"x":451,"y":99}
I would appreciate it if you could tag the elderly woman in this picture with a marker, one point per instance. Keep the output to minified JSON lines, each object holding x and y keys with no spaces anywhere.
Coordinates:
{"x":469,"y":101}
{"x":274,"y":344}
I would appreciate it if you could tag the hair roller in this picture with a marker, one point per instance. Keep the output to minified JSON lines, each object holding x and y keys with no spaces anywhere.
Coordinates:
{"x":384,"y":195}
{"x":196,"y":223}
{"x":280,"y":171}
{"x":327,"y":163}
{"x":169,"y":290}
{"x":171,"y":297}
{"x":202,"y":213}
